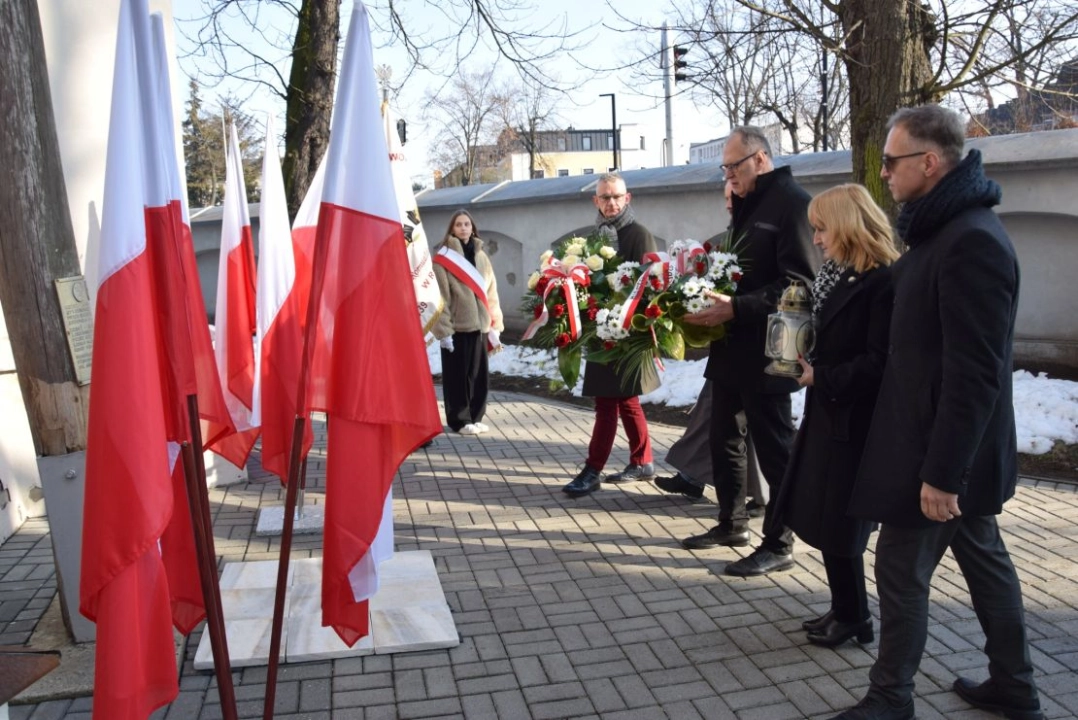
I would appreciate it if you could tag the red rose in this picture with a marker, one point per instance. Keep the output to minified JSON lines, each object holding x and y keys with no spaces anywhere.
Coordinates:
{"x":562,"y":340}
{"x":592,"y":313}
{"x":558,"y":310}
{"x":655,"y":282}
{"x":592,"y":302}
{"x":609,"y":345}
{"x":701,"y":268}
{"x":736,"y":277}
{"x":538,"y":310}
{"x":540,"y":287}
{"x":626,"y":280}
{"x":707,"y":247}
{"x":652,"y":311}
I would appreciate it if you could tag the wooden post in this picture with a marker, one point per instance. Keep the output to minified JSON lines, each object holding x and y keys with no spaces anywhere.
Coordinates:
{"x":37,"y":243}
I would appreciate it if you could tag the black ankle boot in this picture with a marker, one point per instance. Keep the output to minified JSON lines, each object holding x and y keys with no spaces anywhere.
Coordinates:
{"x":836,"y":632}
{"x":815,"y":625}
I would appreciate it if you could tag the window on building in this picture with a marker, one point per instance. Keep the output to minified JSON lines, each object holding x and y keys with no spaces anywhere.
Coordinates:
{"x":610,"y":142}
{"x":563,"y":172}
{"x":561,"y":144}
{"x":642,"y":143}
{"x":589,"y":171}
{"x":538,"y":175}
{"x":586,"y":141}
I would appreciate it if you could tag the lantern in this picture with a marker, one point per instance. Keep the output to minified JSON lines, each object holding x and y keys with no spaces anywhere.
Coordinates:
{"x":790,"y":333}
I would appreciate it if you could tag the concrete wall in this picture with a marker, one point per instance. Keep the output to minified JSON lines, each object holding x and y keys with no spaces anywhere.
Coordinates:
{"x":1038,"y":173}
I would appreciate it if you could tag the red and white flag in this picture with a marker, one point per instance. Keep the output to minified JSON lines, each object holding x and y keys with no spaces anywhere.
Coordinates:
{"x":235,"y":316}
{"x":129,"y":500}
{"x":368,"y":365}
{"x":284,"y":288}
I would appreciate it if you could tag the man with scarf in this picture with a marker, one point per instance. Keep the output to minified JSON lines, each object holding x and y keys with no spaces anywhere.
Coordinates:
{"x":940,"y":459}
{"x":773,"y":239}
{"x":613,"y":394}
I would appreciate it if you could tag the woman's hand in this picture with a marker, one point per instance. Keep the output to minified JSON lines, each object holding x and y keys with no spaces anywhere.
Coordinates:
{"x":808,"y":376}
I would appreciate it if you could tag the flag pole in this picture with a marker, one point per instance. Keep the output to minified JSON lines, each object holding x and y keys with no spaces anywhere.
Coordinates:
{"x":202,"y":524}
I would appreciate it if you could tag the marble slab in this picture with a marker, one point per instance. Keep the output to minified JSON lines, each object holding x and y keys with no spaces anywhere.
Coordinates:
{"x":408,"y":613}
{"x":271,"y":521}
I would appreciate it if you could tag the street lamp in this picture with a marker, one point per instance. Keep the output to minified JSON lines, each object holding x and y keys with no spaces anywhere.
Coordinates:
{"x":614,"y":121}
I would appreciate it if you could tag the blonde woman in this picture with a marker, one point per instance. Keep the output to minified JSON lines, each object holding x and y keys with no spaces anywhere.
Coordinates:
{"x":470,"y":324}
{"x":852,"y":301}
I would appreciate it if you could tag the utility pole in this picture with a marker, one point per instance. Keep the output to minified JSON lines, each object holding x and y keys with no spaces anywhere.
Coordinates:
{"x":42,"y":291}
{"x":614,"y":122}
{"x":667,"y":67}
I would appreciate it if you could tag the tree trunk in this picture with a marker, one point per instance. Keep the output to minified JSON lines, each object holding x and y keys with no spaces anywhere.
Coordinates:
{"x":37,"y":242}
{"x":310,"y":96}
{"x":888,"y":68}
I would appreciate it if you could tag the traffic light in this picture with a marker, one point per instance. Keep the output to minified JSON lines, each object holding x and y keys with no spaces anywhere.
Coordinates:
{"x":679,"y":63}
{"x":402,"y":130}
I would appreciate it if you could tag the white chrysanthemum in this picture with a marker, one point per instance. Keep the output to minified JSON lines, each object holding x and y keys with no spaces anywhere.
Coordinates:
{"x":732,"y":270}
{"x":607,"y":326}
{"x":696,"y":304}
{"x":623,"y":276}
{"x":607,"y":252}
{"x":594,"y":262}
{"x":601,"y":316}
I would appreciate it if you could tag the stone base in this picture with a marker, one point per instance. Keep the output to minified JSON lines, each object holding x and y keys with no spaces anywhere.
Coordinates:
{"x":408,"y":613}
{"x":220,"y":472}
{"x":310,"y":522}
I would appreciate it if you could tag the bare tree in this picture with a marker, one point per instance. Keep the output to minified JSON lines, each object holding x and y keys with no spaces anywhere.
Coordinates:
{"x":464,"y":113}
{"x":525,"y":112}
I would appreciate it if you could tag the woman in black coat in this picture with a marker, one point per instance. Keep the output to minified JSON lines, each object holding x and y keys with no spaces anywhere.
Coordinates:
{"x":852,"y":300}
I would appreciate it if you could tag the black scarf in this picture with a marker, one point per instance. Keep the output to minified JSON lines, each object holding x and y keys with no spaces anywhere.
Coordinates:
{"x":963,"y":188}
{"x":608,"y":227}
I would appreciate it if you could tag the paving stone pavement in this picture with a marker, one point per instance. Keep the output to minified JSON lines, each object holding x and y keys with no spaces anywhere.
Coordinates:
{"x":589,"y":608}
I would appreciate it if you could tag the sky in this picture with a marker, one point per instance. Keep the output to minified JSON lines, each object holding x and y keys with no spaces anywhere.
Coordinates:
{"x":1045,"y":409}
{"x":599,"y":47}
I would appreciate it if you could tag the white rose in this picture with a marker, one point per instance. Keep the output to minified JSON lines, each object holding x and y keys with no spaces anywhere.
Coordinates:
{"x":544,"y":259}
{"x":574,"y":249}
{"x":594,"y":262}
{"x":570,"y":260}
{"x":533,"y":280}
{"x":607,"y":252}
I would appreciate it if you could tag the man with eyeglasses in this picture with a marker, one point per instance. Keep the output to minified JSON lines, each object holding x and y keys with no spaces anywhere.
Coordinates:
{"x":773,"y":240}
{"x":940,"y":460}
{"x":617,"y":222}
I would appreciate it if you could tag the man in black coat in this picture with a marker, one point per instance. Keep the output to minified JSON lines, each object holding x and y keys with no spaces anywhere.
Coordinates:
{"x":940,"y":459}
{"x":773,"y":241}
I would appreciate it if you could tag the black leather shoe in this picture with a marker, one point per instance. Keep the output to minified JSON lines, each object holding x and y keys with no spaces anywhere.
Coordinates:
{"x":754,"y":509}
{"x":715,"y":537}
{"x":988,"y":696}
{"x":679,"y":485}
{"x":876,"y":708}
{"x":587,"y":481}
{"x":817,"y":624}
{"x":760,"y":562}
{"x":632,"y":473}
{"x":836,"y":632}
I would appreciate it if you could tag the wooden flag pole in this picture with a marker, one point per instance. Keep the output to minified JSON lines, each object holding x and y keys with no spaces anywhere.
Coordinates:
{"x":198,"y":498}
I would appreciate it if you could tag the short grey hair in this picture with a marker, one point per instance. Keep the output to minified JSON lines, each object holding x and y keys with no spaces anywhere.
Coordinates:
{"x":936,"y":125}
{"x":609,"y":177}
{"x":753,"y":137}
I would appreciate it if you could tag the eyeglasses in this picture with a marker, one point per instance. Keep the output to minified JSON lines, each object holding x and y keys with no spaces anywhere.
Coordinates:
{"x":604,"y":198}
{"x":731,"y":167}
{"x":890,"y":160}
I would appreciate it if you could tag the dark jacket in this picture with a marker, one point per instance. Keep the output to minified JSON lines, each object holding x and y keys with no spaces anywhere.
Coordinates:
{"x":634,"y":240}
{"x":945,"y":414}
{"x":773,"y":241}
{"x":851,"y":349}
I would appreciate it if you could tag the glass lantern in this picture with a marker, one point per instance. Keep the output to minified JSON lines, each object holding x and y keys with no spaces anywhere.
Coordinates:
{"x":790,"y":332}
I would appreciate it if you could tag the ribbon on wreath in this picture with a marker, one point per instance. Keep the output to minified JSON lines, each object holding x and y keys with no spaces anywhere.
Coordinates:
{"x":566,"y":277}
{"x":657,"y":272}
{"x":685,"y":257}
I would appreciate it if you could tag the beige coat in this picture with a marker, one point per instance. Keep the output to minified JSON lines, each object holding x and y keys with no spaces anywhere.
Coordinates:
{"x":463,"y":311}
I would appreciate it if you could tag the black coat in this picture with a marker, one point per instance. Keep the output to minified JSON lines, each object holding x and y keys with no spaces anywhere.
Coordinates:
{"x":851,"y":349}
{"x":601,"y":380}
{"x":773,"y":239}
{"x":945,"y":414}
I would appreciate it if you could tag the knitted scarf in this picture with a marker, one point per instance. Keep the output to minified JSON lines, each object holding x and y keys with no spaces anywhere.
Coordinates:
{"x":608,"y":227}
{"x":826,"y":279}
{"x":963,"y":188}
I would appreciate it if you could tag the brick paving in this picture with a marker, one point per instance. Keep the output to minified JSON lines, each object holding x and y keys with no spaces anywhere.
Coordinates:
{"x":589,"y":608}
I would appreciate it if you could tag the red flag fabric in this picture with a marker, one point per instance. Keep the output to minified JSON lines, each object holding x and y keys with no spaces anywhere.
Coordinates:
{"x":128,"y":500}
{"x":235,"y":316}
{"x":284,"y":286}
{"x":368,"y":364}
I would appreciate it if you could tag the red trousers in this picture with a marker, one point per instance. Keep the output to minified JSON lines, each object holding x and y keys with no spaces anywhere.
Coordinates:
{"x":605,"y":430}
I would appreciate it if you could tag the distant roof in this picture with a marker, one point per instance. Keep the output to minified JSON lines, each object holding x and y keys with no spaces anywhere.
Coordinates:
{"x":214,"y":213}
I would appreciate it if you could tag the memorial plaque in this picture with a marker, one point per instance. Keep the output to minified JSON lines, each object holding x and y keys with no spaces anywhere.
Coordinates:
{"x":78,"y":323}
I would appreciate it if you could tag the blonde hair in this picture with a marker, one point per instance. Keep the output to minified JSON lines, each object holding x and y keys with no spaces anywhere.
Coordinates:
{"x":860,"y":232}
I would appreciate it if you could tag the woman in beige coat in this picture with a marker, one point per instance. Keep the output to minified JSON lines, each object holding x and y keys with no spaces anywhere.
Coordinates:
{"x":470,"y":324}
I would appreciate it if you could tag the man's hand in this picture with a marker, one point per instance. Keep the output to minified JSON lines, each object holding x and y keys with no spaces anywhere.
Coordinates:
{"x":717,"y":314}
{"x":938,"y":505}
{"x":808,"y":375}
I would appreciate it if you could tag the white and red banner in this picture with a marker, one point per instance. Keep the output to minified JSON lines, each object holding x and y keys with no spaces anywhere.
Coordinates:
{"x":124,"y":588}
{"x":368,"y":364}
{"x":235,"y":315}
{"x":284,"y":287}
{"x":428,"y":297}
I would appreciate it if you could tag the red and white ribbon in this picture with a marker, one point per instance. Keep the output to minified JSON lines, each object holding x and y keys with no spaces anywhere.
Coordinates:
{"x":656,"y":271}
{"x":567,"y":277}
{"x":685,"y":257}
{"x":458,"y":266}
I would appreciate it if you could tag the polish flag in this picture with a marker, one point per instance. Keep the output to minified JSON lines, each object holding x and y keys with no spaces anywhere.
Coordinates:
{"x":368,"y":365}
{"x":129,"y":500}
{"x":235,"y":317}
{"x":284,"y":287}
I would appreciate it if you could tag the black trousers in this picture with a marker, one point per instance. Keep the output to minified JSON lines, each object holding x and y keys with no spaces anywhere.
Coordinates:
{"x":905,"y":562}
{"x":464,"y":379}
{"x":846,"y":578}
{"x":767,"y":417}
